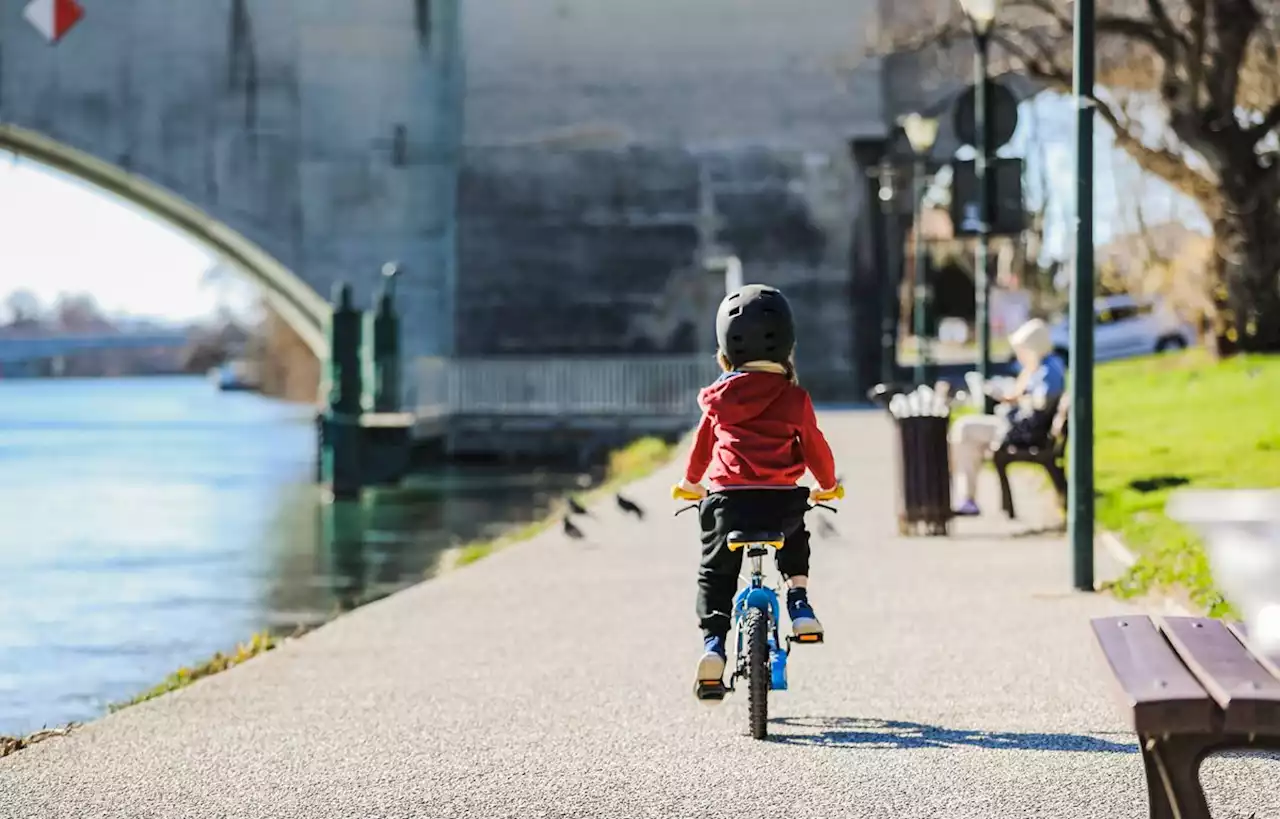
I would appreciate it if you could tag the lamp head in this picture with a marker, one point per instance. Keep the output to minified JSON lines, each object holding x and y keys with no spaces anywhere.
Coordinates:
{"x":921,"y":132}
{"x":981,"y":13}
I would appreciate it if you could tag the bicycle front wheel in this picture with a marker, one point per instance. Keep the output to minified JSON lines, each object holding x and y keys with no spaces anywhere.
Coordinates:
{"x":756,"y":637}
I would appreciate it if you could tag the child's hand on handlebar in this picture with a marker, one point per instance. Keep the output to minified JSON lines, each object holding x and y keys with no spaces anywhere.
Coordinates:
{"x":818,"y":495}
{"x":688,"y":491}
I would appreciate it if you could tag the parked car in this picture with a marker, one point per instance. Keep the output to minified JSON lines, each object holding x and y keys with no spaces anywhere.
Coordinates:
{"x":1125,"y":326}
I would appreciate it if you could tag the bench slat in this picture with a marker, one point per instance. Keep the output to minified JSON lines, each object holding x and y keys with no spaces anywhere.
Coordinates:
{"x":1164,"y":696}
{"x":1246,"y":691}
{"x":1270,"y":663}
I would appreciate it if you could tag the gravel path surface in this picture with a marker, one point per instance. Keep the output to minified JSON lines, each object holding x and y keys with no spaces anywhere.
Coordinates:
{"x":553,"y":679}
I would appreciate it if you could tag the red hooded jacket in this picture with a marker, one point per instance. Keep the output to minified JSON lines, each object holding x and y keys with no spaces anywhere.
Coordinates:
{"x":758,"y":430}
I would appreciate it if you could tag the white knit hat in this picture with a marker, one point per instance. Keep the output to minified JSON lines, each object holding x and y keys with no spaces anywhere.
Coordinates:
{"x":1034,"y":337}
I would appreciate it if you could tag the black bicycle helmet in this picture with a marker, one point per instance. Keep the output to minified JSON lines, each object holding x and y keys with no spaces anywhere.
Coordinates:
{"x":754,"y":324}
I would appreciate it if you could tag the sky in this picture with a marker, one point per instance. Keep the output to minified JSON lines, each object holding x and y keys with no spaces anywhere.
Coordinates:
{"x":60,"y":235}
{"x":1120,"y":186}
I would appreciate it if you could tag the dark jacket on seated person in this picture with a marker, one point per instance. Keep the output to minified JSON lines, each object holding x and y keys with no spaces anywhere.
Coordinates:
{"x":1031,"y":426}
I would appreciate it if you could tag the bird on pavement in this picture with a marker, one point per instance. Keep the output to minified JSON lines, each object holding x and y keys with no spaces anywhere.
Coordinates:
{"x":571,"y":530}
{"x":825,"y":529}
{"x":629,"y":507}
{"x":577,"y":508}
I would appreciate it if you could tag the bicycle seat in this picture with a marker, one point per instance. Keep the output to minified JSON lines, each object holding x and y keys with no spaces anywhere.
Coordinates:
{"x":739,"y":539}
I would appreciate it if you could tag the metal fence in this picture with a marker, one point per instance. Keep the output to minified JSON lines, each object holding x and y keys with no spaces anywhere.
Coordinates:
{"x":648,"y":386}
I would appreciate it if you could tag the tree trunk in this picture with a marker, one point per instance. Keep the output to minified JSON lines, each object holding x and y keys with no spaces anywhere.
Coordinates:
{"x":1247,"y":295}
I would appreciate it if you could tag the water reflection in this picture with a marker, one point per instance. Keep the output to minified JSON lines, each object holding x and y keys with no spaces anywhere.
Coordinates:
{"x":334,"y":557}
{"x":147,"y":523}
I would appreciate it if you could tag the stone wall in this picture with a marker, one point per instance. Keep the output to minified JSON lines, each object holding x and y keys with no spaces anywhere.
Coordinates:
{"x":599,"y":251}
{"x":611,"y":144}
{"x":770,"y":72}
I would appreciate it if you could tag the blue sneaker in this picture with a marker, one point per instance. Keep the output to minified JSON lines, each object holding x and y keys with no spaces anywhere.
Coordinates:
{"x":968,"y":509}
{"x":804,"y":623}
{"x":711,"y":665}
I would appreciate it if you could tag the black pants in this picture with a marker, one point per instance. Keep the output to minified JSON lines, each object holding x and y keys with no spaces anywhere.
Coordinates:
{"x":747,"y":510}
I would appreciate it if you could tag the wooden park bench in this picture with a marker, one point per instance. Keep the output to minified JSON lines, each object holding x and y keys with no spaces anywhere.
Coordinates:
{"x":1192,"y":687}
{"x":1051,"y":454}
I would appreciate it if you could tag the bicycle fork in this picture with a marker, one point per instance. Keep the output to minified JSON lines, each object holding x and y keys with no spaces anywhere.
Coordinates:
{"x":757,"y":596}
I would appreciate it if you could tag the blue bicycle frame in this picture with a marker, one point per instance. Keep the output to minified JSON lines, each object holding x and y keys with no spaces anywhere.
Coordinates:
{"x":756,"y":595}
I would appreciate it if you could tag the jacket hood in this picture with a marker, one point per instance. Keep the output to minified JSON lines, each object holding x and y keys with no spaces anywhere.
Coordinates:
{"x":739,"y":397}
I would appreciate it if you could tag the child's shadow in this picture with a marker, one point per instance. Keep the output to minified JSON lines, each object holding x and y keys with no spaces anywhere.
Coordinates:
{"x":894,"y":734}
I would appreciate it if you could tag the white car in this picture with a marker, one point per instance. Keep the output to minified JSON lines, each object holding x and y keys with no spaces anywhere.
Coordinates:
{"x":1125,"y":326}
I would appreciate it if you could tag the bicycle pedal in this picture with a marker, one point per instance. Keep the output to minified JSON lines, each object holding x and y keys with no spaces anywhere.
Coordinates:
{"x":806,"y":638}
{"x":710,"y":690}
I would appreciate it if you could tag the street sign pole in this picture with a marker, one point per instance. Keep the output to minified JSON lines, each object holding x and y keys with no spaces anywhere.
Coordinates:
{"x":1080,"y":500}
{"x":982,"y":278}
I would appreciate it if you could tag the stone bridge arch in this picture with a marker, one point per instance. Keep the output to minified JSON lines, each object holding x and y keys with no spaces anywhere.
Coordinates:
{"x":296,"y":301}
{"x":307,"y":141}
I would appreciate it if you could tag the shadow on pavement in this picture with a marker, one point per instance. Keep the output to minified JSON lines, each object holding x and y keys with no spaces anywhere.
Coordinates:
{"x":895,"y":735}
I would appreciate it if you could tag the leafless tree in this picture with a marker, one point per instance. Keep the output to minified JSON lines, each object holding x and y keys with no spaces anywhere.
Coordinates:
{"x":1191,"y":89}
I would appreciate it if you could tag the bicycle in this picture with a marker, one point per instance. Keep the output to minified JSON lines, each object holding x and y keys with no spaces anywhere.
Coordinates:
{"x":759,"y":655}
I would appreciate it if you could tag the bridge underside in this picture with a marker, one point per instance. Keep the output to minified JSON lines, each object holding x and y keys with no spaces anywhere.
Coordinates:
{"x":295,"y":301}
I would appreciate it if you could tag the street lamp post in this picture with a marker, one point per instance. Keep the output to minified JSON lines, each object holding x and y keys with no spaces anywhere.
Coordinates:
{"x":982,"y":15}
{"x":888,"y":350}
{"x":921,"y":132}
{"x":1080,"y":501}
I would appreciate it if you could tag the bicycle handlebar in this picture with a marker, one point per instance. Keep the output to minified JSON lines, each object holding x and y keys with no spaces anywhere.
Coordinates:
{"x":679,"y":493}
{"x":824,"y":506}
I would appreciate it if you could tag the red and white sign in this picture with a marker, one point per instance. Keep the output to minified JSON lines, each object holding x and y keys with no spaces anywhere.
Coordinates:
{"x":53,"y":18}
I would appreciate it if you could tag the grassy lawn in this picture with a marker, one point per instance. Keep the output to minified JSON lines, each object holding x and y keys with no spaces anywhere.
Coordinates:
{"x":1180,"y":420}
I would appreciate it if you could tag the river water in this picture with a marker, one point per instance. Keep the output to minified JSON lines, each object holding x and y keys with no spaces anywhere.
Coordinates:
{"x":147,"y":523}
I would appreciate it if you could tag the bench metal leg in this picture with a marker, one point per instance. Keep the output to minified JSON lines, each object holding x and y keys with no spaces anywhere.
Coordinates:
{"x":1173,"y":770}
{"x":1059,"y":478}
{"x":1006,"y":492}
{"x":1173,"y":777}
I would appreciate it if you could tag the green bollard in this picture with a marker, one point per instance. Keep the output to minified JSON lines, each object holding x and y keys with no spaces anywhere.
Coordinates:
{"x":385,"y":335}
{"x":340,"y":441}
{"x":345,"y":332}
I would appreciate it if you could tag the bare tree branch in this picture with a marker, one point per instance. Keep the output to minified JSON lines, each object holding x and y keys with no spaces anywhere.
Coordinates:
{"x":1166,"y":164}
{"x":1234,"y":22}
{"x":1195,"y":57}
{"x":1140,"y":30}
{"x":1163,"y":22}
{"x":1270,"y":121}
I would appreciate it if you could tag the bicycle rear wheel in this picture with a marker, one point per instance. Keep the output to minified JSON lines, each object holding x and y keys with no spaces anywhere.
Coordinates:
{"x":755,"y":631}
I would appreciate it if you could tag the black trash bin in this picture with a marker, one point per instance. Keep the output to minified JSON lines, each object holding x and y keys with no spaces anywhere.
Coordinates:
{"x":922,"y":418}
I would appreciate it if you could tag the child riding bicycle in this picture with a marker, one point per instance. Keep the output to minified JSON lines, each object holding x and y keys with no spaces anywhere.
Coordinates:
{"x":757,"y":436}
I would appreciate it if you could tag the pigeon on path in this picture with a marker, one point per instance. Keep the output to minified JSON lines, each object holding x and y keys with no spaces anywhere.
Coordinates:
{"x":630,"y":507}
{"x":571,"y":530}
{"x":826,"y":530}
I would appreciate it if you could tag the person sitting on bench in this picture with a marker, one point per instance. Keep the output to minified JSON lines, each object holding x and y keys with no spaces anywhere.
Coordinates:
{"x":1026,"y":417}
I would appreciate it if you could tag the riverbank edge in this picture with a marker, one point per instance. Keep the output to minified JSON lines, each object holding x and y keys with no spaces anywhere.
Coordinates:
{"x":258,"y":644}
{"x":637,"y":460}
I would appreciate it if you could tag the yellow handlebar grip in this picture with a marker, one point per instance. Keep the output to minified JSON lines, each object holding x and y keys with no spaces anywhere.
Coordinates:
{"x":683,"y":494}
{"x":834,"y":494}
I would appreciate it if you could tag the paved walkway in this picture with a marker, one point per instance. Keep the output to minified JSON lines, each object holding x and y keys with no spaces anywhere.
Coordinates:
{"x":552,"y":680}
